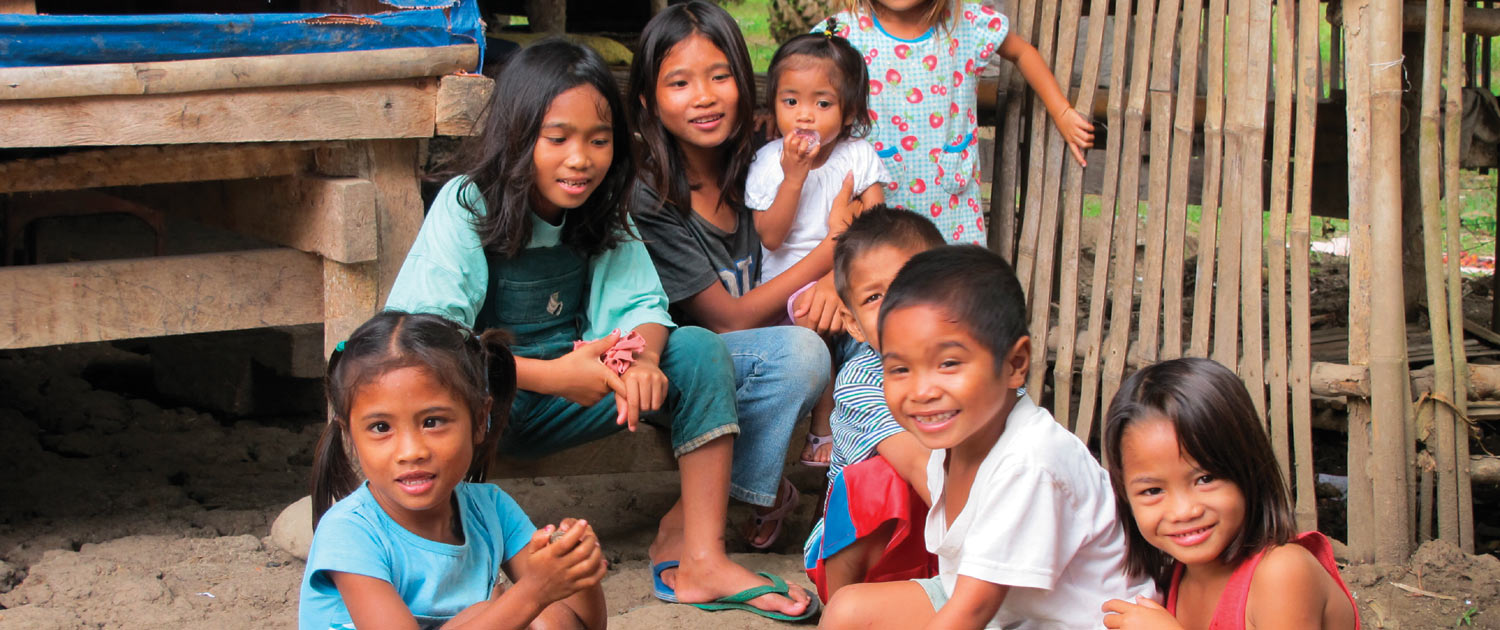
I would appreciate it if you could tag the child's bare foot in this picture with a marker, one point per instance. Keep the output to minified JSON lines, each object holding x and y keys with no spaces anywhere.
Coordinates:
{"x":668,"y":542}
{"x":702,"y":580}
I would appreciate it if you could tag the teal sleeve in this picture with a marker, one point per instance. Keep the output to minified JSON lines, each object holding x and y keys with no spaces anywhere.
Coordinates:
{"x":625,"y":290}
{"x":515,"y":526}
{"x":445,"y":272}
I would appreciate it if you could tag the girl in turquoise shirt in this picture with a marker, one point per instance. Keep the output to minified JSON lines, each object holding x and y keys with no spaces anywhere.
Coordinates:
{"x":534,"y":237}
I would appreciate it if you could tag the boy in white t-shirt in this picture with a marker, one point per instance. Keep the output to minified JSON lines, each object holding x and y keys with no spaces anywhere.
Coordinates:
{"x":1023,"y":517}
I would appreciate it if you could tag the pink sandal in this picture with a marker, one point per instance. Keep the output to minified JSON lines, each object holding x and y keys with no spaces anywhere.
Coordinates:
{"x":777,"y":515}
{"x":816,"y":442}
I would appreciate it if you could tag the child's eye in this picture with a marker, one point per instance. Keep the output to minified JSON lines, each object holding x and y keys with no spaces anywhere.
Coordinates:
{"x":722,"y":77}
{"x":949,"y":363}
{"x":433,"y":422}
{"x":602,"y":142}
{"x":872,"y":298}
{"x":895,"y":370}
{"x":789,"y":102}
{"x":1150,"y":492}
{"x":379,"y":427}
{"x":825,"y":104}
{"x":1204,"y":480}
{"x":555,"y":139}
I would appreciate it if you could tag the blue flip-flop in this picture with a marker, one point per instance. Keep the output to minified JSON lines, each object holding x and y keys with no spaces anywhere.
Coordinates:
{"x":660,"y":588}
{"x":737,"y":601}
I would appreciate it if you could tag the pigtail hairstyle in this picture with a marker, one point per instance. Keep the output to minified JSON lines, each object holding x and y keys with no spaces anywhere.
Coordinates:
{"x":849,"y":73}
{"x":498,"y":162}
{"x":469,"y":366}
{"x":662,"y":162}
{"x":1216,"y":426}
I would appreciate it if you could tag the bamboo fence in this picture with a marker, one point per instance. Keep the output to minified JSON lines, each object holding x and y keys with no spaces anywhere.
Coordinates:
{"x":1230,"y":284}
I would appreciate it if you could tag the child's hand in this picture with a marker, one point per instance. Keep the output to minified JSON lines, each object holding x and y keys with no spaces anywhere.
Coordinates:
{"x":797,"y":152}
{"x":1144,"y":614}
{"x":585,"y":380}
{"x":765,"y":125}
{"x":845,"y":207}
{"x":818,"y":308}
{"x":559,"y":566}
{"x":645,"y":389}
{"x":1078,"y":132}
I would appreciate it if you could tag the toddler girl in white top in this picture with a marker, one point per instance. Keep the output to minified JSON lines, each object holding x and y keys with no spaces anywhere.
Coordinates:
{"x":819,"y":89}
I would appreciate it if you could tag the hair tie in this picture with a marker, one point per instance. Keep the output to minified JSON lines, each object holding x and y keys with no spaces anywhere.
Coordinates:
{"x":340,"y":346}
{"x":831,"y":26}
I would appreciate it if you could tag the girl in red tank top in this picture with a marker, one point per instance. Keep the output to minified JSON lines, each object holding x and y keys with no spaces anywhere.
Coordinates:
{"x":1206,"y":512}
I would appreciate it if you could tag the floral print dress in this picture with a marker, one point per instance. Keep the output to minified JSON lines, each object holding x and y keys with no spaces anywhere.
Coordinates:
{"x":923,"y":95}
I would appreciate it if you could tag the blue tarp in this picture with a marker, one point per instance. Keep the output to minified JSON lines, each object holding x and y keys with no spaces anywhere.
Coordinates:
{"x":56,"y":40}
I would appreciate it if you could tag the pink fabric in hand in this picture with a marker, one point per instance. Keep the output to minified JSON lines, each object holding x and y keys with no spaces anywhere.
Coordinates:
{"x":620,"y":356}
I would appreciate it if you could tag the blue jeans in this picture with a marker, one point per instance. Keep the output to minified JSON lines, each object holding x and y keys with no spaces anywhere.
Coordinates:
{"x":779,"y":372}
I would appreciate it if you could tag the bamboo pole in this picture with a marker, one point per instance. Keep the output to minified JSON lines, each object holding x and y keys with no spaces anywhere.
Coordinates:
{"x":1437,"y":300}
{"x":1123,"y":283}
{"x":1454,"y":105}
{"x":1252,"y":202}
{"x":1101,"y":287}
{"x":1360,"y":505}
{"x":1026,"y":255}
{"x":1308,"y":93}
{"x":1148,"y":343}
{"x":1226,"y":306}
{"x":1182,"y":154}
{"x":1057,"y":154}
{"x":1275,"y":248}
{"x":1002,"y":237}
{"x":1387,"y":316}
{"x":1072,"y":216}
{"x":1213,"y":156}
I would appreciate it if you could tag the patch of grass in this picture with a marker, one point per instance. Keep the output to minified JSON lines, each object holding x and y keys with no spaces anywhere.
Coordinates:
{"x":753,"y":18}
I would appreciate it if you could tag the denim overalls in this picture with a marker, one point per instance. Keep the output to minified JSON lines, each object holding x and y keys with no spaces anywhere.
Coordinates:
{"x":540,"y":297}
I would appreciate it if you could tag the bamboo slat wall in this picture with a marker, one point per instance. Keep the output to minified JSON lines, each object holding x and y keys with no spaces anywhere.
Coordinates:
{"x":1129,"y":304}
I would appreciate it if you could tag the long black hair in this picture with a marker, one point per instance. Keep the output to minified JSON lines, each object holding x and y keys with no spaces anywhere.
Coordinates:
{"x":849,"y":75}
{"x":498,"y":160}
{"x":479,"y":371}
{"x":661,"y":160}
{"x":1217,"y":426}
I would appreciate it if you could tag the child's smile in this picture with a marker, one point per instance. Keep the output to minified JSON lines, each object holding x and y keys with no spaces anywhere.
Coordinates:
{"x":1180,"y":509}
{"x":942,"y":384}
{"x":414,"y":441}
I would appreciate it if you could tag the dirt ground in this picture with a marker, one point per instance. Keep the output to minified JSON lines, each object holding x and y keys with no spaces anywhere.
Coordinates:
{"x":127,"y":512}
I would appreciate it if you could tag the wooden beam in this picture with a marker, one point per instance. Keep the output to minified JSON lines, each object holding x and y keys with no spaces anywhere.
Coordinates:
{"x":23,"y":7}
{"x":227,"y":73}
{"x":388,"y":109}
{"x":330,"y":216}
{"x":461,"y":100}
{"x":137,"y":166}
{"x":646,"y":450}
{"x":149,"y":297}
{"x":1482,"y":22}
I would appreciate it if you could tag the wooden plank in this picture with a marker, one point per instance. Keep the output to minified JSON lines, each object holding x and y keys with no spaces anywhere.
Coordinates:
{"x":1090,"y":390}
{"x":1006,"y":185}
{"x":1182,"y":154}
{"x":1072,"y":216}
{"x":350,"y":297}
{"x":138,"y":166}
{"x":149,"y":297}
{"x":330,"y":216}
{"x":647,"y":450}
{"x":1213,"y":150}
{"x":461,"y":100}
{"x":1275,"y":245}
{"x":1360,"y":506}
{"x":390,"y":109}
{"x":1253,"y":111}
{"x":1026,"y":256}
{"x":230,"y":73}
{"x":392,"y":167}
{"x":1309,"y":88}
{"x":1453,"y":103}
{"x":23,"y":7}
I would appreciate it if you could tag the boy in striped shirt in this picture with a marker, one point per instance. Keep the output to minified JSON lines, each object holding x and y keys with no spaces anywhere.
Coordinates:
{"x":877,"y":493}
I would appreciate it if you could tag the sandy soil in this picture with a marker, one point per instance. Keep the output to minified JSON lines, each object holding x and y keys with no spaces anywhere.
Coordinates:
{"x":125,"y":514}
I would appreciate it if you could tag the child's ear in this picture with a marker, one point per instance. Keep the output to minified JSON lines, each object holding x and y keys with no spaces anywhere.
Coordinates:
{"x":1018,"y":360}
{"x":851,"y":325}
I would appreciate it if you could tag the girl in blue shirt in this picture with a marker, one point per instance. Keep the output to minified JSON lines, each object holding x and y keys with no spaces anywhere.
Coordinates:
{"x":418,"y":545}
{"x":534,"y":237}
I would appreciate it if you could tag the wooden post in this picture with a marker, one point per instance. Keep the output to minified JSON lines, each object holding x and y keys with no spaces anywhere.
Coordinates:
{"x":1149,"y":323}
{"x":1275,"y":247}
{"x":1031,"y":226}
{"x":1308,"y":92}
{"x":1226,"y":304}
{"x":1252,"y":201}
{"x":1437,"y":299}
{"x":1182,"y":155}
{"x":1361,"y":508}
{"x":1213,"y":156}
{"x":1003,"y":190}
{"x":1387,"y":317}
{"x":1454,"y":106}
{"x":1101,"y":285}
